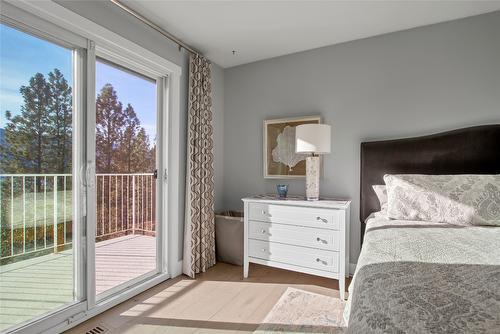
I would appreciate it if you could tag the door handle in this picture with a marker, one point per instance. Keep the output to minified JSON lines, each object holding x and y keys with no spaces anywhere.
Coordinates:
{"x":89,"y":175}
{"x":155,"y":174}
{"x":83,"y":175}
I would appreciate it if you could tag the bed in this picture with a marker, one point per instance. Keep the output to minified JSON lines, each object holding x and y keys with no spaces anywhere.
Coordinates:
{"x":424,"y":277}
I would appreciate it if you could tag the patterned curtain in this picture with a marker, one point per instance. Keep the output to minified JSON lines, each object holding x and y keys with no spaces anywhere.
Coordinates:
{"x":199,"y":227}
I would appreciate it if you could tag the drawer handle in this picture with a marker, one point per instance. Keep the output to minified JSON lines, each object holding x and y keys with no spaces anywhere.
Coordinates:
{"x":318,"y":239}
{"x":319,"y":260}
{"x":324,"y":220}
{"x":264,"y":213}
{"x":263,"y":250}
{"x":263,"y":231}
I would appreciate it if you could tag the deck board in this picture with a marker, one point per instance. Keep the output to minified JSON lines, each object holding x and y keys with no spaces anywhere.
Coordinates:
{"x":39,"y":285}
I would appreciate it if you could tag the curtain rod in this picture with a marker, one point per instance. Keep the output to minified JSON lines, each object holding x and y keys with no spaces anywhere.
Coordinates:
{"x":141,"y":18}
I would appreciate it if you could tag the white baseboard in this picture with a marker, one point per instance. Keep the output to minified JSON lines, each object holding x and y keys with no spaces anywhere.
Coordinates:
{"x":352,"y":268}
{"x":176,"y":269}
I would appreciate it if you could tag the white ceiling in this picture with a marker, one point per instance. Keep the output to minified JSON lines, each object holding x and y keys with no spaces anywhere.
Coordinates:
{"x":264,"y":29}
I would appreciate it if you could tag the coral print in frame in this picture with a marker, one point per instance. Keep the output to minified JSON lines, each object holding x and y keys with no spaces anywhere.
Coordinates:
{"x":280,"y":159}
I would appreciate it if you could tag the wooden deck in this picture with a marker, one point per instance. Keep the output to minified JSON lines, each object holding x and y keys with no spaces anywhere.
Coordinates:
{"x":36,"y":286}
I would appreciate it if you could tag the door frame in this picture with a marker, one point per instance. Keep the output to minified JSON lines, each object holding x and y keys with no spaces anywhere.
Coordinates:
{"x":125,"y":62}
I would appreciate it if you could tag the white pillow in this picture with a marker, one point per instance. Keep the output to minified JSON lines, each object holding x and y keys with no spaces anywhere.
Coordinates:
{"x":454,"y":199}
{"x":381,"y":192}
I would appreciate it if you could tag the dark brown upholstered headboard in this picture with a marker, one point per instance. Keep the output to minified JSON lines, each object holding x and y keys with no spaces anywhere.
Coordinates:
{"x":474,"y":150}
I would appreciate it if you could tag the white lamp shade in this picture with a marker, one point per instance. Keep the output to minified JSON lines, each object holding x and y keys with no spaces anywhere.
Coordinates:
{"x":313,"y":138}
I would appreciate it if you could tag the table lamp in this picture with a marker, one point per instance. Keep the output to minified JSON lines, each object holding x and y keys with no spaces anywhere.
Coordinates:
{"x":314,"y":139}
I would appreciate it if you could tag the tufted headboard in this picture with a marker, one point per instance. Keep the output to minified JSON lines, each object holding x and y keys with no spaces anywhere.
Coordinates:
{"x":474,"y":150}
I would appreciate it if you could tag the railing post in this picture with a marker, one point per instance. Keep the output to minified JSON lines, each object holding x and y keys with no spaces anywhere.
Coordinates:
{"x":11,"y":216}
{"x":44,"y":211}
{"x":1,"y":223}
{"x":55,"y":214}
{"x":64,"y":209}
{"x":24,"y":214}
{"x":34,"y":214}
{"x":133,"y":204}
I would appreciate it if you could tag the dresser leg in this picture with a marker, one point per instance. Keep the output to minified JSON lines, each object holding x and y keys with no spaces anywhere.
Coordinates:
{"x":245,"y":269}
{"x":342,"y":287}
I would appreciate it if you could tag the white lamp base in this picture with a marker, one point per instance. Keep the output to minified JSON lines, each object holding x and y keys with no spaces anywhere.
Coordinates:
{"x":312,"y":178}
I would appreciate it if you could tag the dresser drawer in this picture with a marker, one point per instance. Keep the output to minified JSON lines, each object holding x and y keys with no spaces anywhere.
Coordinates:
{"x":294,"y":255}
{"x":313,"y":217}
{"x":295,"y":235}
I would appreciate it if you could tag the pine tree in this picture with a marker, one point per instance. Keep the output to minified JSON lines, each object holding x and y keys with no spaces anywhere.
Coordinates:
{"x":27,"y":137}
{"x":109,"y":124}
{"x":141,"y":154}
{"x":152,"y":158}
{"x":60,"y":120}
{"x":131,"y":129}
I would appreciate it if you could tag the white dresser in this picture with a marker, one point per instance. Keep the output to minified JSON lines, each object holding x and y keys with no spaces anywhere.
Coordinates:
{"x":298,"y":235}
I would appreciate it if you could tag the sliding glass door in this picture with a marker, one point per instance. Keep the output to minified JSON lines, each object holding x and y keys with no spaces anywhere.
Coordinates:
{"x":126,"y":178}
{"x":82,"y":206}
{"x":38,"y":177}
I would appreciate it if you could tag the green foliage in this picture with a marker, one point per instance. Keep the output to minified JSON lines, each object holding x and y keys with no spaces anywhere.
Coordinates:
{"x":26,"y":135}
{"x":129,"y":137}
{"x":39,"y":139}
{"x":109,"y":124}
{"x":142,"y":156}
{"x":60,"y":120}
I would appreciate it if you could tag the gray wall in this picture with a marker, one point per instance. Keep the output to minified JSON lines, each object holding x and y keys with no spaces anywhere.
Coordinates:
{"x":116,"y":20}
{"x":408,"y":83}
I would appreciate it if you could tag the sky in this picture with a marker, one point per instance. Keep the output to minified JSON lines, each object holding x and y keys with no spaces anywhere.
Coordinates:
{"x":22,"y":55}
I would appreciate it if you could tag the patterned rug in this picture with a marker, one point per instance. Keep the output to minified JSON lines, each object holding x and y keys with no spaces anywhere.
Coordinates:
{"x":299,"y":311}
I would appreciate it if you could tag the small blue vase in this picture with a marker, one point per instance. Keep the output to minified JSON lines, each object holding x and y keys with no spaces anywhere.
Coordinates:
{"x":282,"y":190}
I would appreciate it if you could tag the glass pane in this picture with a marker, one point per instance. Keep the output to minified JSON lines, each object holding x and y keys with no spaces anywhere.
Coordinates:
{"x":36,"y":213}
{"x":125,"y":183}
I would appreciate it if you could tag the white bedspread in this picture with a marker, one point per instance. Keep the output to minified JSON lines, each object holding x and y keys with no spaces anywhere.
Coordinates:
{"x":423,"y":255}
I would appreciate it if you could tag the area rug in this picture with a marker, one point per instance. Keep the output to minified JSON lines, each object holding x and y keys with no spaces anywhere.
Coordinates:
{"x":299,"y":311}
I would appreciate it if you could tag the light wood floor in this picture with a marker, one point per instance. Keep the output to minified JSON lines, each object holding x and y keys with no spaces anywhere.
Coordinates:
{"x":218,"y":301}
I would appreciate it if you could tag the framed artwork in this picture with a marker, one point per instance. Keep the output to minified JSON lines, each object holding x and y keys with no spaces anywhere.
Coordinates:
{"x":280,"y":159}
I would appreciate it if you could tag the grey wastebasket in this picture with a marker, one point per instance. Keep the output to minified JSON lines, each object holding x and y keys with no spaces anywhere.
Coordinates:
{"x":229,"y":237}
